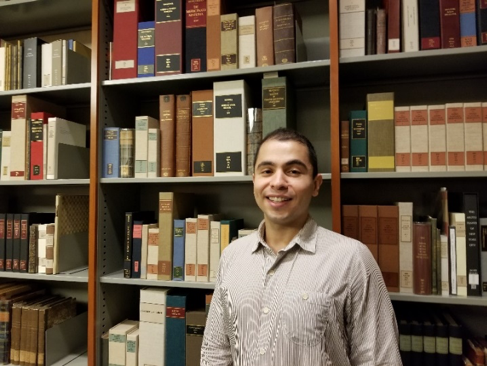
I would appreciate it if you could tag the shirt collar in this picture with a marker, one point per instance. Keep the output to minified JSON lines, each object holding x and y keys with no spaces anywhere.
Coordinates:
{"x":305,"y":238}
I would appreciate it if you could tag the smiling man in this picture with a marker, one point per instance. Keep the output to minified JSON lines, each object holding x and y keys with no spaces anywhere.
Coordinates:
{"x":294,"y":293}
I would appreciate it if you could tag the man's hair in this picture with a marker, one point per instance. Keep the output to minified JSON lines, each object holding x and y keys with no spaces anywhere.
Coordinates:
{"x":286,"y":134}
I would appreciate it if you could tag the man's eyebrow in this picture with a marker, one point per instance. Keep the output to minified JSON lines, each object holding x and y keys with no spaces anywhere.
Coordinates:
{"x":265,"y":163}
{"x":288,"y":163}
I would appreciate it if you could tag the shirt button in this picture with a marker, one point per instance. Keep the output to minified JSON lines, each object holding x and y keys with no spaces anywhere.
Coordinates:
{"x":305,"y":296}
{"x":262,"y":351}
{"x":266,"y":310}
{"x":271,"y":272}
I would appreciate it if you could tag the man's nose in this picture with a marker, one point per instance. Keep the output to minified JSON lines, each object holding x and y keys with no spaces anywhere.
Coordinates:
{"x":279,"y":179}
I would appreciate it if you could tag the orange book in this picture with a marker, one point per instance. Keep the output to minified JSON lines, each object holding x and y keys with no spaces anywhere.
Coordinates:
{"x":167,"y":106}
{"x":368,"y":228}
{"x":350,"y":225}
{"x":264,"y":34}
{"x":183,"y":135}
{"x":388,"y":227}
{"x":202,"y":131}
{"x":213,"y":30}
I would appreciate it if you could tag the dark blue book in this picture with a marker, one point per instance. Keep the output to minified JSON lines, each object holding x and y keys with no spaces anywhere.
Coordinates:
{"x":146,"y":52}
{"x":429,"y":24}
{"x":176,"y":329}
{"x":130,"y":218}
{"x":111,"y":153}
{"x":358,"y":141}
{"x":178,"y":251}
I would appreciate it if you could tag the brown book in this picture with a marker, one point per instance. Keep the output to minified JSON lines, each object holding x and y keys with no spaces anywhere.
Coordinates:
{"x":229,"y":41}
{"x":422,"y":258}
{"x":368,"y":228}
{"x":33,"y":237}
{"x":169,"y":37}
{"x":15,"y":333}
{"x":393,"y":25}
{"x":213,"y":34}
{"x":450,"y":23}
{"x":202,"y":131}
{"x":127,"y":152}
{"x":388,"y":226}
{"x":381,"y":32}
{"x":350,"y":225}
{"x":167,"y":106}
{"x":264,"y":36}
{"x":345,"y":146}
{"x":195,"y":328}
{"x":284,"y":34}
{"x":183,"y":135}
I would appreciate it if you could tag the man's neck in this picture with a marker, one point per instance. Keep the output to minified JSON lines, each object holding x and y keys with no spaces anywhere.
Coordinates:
{"x":278,"y":237}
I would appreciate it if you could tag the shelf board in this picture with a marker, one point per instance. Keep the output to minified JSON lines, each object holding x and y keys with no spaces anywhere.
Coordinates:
{"x":404,"y":65}
{"x":402,"y":175}
{"x":80,"y":275}
{"x":73,"y":359}
{"x":117,"y":278}
{"x":436,"y":299}
{"x":72,"y":94}
{"x":303,"y":74}
{"x":46,"y":182}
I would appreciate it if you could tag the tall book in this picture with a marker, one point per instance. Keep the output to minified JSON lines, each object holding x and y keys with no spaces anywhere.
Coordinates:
{"x":229,"y":41}
{"x":230,"y":103}
{"x":444,"y":259}
{"x":264,"y":30}
{"x":410,"y":26}
{"x":429,"y":24}
{"x":419,"y":139}
{"x":57,"y":62}
{"x":176,"y":309}
{"x":437,"y":138}
{"x":38,"y":144}
{"x":183,"y":135}
{"x":404,"y":329}
{"x":277,"y":104}
{"x":190,"y":253}
{"x":388,"y":245}
{"x":352,"y":28}
{"x":441,"y":341}
{"x":455,"y":136}
{"x":468,"y":29}
{"x":202,"y":133}
{"x":381,"y":32}
{"x":16,"y":243}
{"x":450,"y":23}
{"x":167,"y":110}
{"x":169,"y":55}
{"x":46,"y":64}
{"x":145,"y":248}
{"x":118,"y":341}
{"x":203,"y":246}
{"x":254,"y":136}
{"x":402,"y":136}
{"x":452,"y":260}
{"x":345,"y":146}
{"x":435,"y":245}
{"x":127,"y":152}
{"x":215,"y":245}
{"x":195,"y":328}
{"x":483,"y":253}
{"x":358,"y":141}
{"x":393,"y":10}
{"x":284,"y":33}
{"x":195,"y":36}
{"x":213,"y":34}
{"x":131,"y":217}
{"x":474,"y":155}
{"x":9,"y":243}
{"x":422,"y":258}
{"x":350,"y":221}
{"x":32,"y":63}
{"x":5,"y":160}
{"x":481,"y":10}
{"x":405,"y":225}
{"x":179,"y":250}
{"x":172,"y":205}
{"x":458,"y":220}
{"x":3,"y":67}
{"x":111,"y":152}
{"x":142,"y":125}
{"x":380,"y":132}
{"x":246,"y":42}
{"x":368,"y":233}
{"x":146,"y":49}
{"x":370,"y":31}
{"x":3,"y":227}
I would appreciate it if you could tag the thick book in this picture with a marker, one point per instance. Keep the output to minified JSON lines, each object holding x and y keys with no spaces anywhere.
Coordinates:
{"x":142,"y":125}
{"x":405,"y":226}
{"x":429,"y":340}
{"x":483,"y":253}
{"x":468,"y":29}
{"x":450,"y":23}
{"x":393,"y":14}
{"x":350,"y":221}
{"x":127,"y":152}
{"x":388,"y":243}
{"x":202,"y":133}
{"x":402,"y":138}
{"x":352,"y":28}
{"x":422,"y":258}
{"x":215,"y":248}
{"x":437,"y":137}
{"x":190,"y":253}
{"x":229,"y":231}
{"x":429,"y":24}
{"x":179,"y":250}
{"x":169,"y":55}
{"x":458,"y":220}
{"x":38,"y":144}
{"x":118,"y":341}
{"x":213,"y":34}
{"x":183,"y":135}
{"x":229,"y":41}
{"x":195,"y":328}
{"x":358,"y":141}
{"x":474,"y":155}
{"x":380,"y":132}
{"x":130,"y":219}
{"x":254,"y":136}
{"x":481,"y":10}
{"x":284,"y":33}
{"x":203,"y":246}
{"x":32,"y":63}
{"x":345,"y":146}
{"x":195,"y":36}
{"x":419,"y":138}
{"x":277,"y":104}
{"x":264,"y":34}
{"x":230,"y":105}
{"x":146,"y":49}
{"x":167,"y":110}
{"x":410,"y":26}
{"x":176,"y":309}
{"x":111,"y":152}
{"x":367,"y":227}
{"x":455,"y":137}
{"x":246,"y":42}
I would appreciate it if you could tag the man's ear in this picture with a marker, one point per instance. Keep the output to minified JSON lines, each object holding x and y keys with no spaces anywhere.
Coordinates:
{"x":318,"y":180}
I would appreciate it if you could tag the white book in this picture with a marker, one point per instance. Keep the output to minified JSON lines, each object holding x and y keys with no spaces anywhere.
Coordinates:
{"x":246,"y":42}
{"x":437,"y":137}
{"x":402,"y":135}
{"x":57,"y":62}
{"x":483,"y":253}
{"x":144,"y":249}
{"x":41,"y":248}
{"x":474,"y":155}
{"x":203,"y":246}
{"x":152,"y":343}
{"x":419,"y":139}
{"x":190,"y":251}
{"x":445,"y":283}
{"x":2,"y":68}
{"x":484,"y":132}
{"x":405,"y":246}
{"x":142,"y":125}
{"x":132,"y":348}
{"x":455,"y":140}
{"x":215,"y":242}
{"x":457,"y":219}
{"x":46,"y":64}
{"x":6,"y":138}
{"x":153,"y":296}
{"x":230,"y":136}
{"x":64,"y":58}
{"x":152,"y":253}
{"x":62,"y":131}
{"x":154,"y":153}
{"x":410,"y":26}
{"x":352,"y":28}
{"x":117,"y":342}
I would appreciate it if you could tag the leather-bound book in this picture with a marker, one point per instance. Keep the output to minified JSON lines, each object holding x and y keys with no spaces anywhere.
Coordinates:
{"x":429,"y":24}
{"x":350,"y":221}
{"x":195,"y":36}
{"x":381,"y":32}
{"x":167,"y":106}
{"x":388,"y":227}
{"x":368,"y":228}
{"x":169,"y":37}
{"x":213,"y":34}
{"x":422,"y":258}
{"x":450,"y":23}
{"x":264,"y":30}
{"x":202,"y":131}
{"x":284,"y":34}
{"x":183,"y":135}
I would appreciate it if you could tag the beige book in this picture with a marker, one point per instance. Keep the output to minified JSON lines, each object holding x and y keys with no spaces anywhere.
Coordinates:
{"x":352,"y":28}
{"x":117,"y":341}
{"x":455,"y":140}
{"x":154,"y":153}
{"x":132,"y":348}
{"x":405,"y":246}
{"x":437,"y":137}
{"x":419,"y":139}
{"x":153,"y":305}
{"x":457,"y":219}
{"x":246,"y":42}
{"x":5,"y":173}
{"x":152,"y":344}
{"x":46,"y":64}
{"x":229,"y":41}
{"x":41,"y":249}
{"x":215,"y":228}
{"x":142,"y":125}
{"x":2,"y":68}
{"x":402,"y":121}
{"x":49,"y":249}
{"x":144,"y":249}
{"x":484,"y":132}
{"x":445,"y":283}
{"x":152,"y":253}
{"x":474,"y":159}
{"x":190,"y":251}
{"x":410,"y":26}
{"x":203,"y":246}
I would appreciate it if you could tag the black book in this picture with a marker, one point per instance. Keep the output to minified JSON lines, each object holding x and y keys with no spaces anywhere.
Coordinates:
{"x":130,"y":217}
{"x":429,"y":24}
{"x":481,"y":22}
{"x":32,"y":63}
{"x":455,"y":339}
{"x":195,"y":36}
{"x":405,"y":341}
{"x":417,"y":343}
{"x":441,"y":333}
{"x":371,"y":32}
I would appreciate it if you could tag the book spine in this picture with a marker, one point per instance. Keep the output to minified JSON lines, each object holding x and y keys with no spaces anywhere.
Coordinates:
{"x":450,"y":23}
{"x":179,"y":248}
{"x":277,"y":104}
{"x":16,"y":243}
{"x":429,"y":24}
{"x":176,"y":327}
{"x":215,"y":228}
{"x":24,"y":242}
{"x":345,"y":146}
{"x":213,"y":34}
{"x":445,"y":283}
{"x":358,"y":141}
{"x":350,"y":221}
{"x":457,"y":219}
{"x":127,"y":152}
{"x":195,"y":36}
{"x":368,"y":228}
{"x":37,"y":122}
{"x":229,"y":41}
{"x":246,"y":42}
{"x":437,"y":138}
{"x":455,"y":140}
{"x":57,"y":62}
{"x":402,"y":143}
{"x":3,"y":223}
{"x":352,"y":28}
{"x":111,"y":152}
{"x":471,"y":210}
{"x":483,"y":253}
{"x":154,"y":151}
{"x":183,"y":135}
{"x":5,"y":168}
{"x":33,"y":238}
{"x":167,"y":202}
{"x":484,"y":134}
{"x":468,"y":31}
{"x":264,"y":36}
{"x":9,"y":244}
{"x":381,"y":40}
{"x":410,"y":27}
{"x":169,"y":37}
{"x":128,"y":240}
{"x":422,"y":258}
{"x":136,"y":255}
{"x":152,"y":253}
{"x":146,"y":49}
{"x":419,"y":139}
{"x":31,"y":68}
{"x":284,"y":36}
{"x":167,"y":117}
{"x":481,"y":22}
{"x":371,"y":32}
{"x":46,"y":61}
{"x":18,"y":141}
{"x":473,"y":137}
{"x":141,"y":150}
{"x":388,"y":243}
{"x":406,"y":273}
{"x":254,"y":136}
{"x":202,"y":133}
{"x":190,"y":250}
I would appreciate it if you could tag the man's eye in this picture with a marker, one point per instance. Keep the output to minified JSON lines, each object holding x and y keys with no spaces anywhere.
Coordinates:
{"x":294,"y":172}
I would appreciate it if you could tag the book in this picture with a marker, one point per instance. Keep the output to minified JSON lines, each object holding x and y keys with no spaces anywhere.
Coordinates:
{"x":381,"y":32}
{"x":455,"y":137}
{"x":141,"y":217}
{"x":16,"y":242}
{"x":176,"y":308}
{"x":352,"y":28}
{"x":154,"y":153}
{"x":195,"y":328}
{"x":46,"y":64}
{"x":117,"y":342}
{"x":445,"y":261}
{"x":405,"y":246}
{"x":380,"y":132}
{"x":422,"y":258}
{"x":429,"y":340}
{"x":3,"y":65}
{"x":38,"y":144}
{"x":345,"y":146}
{"x":358,"y":141}
{"x":452,"y":263}
{"x":136,"y":254}
{"x":33,"y":254}
{"x":434,"y":253}
{"x":167,"y":106}
{"x":215,"y":248}
{"x":450,"y":23}
{"x":190,"y":253}
{"x":202,"y":133}
{"x":127,"y":152}
{"x":179,"y":250}
{"x":429,"y":24}
{"x":468,"y":28}
{"x":146,"y":49}
{"x":169,"y":55}
{"x":132,"y":348}
{"x":350,"y":221}
{"x":483,"y":253}
{"x":213,"y":34}
{"x":402,"y":138}
{"x":111,"y":152}
{"x":254,"y":136}
{"x":393,"y":10}
{"x":410,"y":26}
{"x":183,"y":135}
{"x":437,"y":138}
{"x":474,"y":159}
{"x":26,"y":219}
{"x":9,"y":241}
{"x":481,"y":11}
{"x":5,"y":160}
{"x":404,"y":328}
{"x":277,"y":104}
{"x":195,"y":36}
{"x":142,"y":125}
{"x":455,"y":338}
{"x":145,"y":249}
{"x":229,"y":41}
{"x":484,"y":134}
{"x":457,"y":220}
{"x":32,"y":63}
{"x":284,"y":33}
{"x":3,"y":231}
{"x":76,"y":67}
{"x":229,"y":231}
{"x":230,"y":103}
{"x":264,"y":34}
{"x":419,"y":139}
{"x":388,"y":245}
{"x":368,"y":233}
{"x":203,"y":246}
{"x":370,"y":31}
{"x":152,"y":253}
{"x":246,"y":42}
{"x":57,"y":62}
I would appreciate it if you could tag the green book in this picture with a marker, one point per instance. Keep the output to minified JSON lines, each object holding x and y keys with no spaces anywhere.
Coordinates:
{"x":358,"y":141}
{"x":277,"y":104}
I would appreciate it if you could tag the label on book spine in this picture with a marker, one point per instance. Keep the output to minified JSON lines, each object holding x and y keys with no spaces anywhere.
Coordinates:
{"x":228,"y":106}
{"x":274,"y":97}
{"x":229,"y":162}
{"x":168,"y":63}
{"x":168,"y":11}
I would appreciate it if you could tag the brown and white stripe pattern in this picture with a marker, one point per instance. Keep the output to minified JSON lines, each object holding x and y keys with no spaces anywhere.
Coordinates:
{"x":319,"y":301}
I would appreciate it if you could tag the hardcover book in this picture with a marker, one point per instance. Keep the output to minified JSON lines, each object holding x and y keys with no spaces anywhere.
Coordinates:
{"x":264,"y":30}
{"x":474,"y":157}
{"x":5,"y":160}
{"x":179,"y":250}
{"x":213,"y":34}
{"x":481,"y":11}
{"x":203,"y":246}
{"x":229,"y":41}
{"x":176,"y":308}
{"x":191,"y":243}
{"x":468,"y":29}
{"x":345,"y":146}
{"x":437,"y":138}
{"x":32,"y":63}
{"x":146,"y":49}
{"x":405,"y":246}
{"x":215,"y":247}
{"x":246,"y":42}
{"x":229,"y":231}
{"x":169,"y":58}
{"x":277,"y":104}
{"x":450,"y":23}
{"x":429,"y":24}
{"x":202,"y":131}
{"x":195,"y":328}
{"x":127,"y":152}
{"x":38,"y":144}
{"x":111,"y":152}
{"x":419,"y":139}
{"x":422,"y":258}
{"x":358,"y":141}
{"x":483,"y":253}
{"x":117,"y":342}
{"x":183,"y":135}
{"x":371,"y":31}
{"x":145,"y":248}
{"x":402,"y":135}
{"x":381,"y":32}
{"x":455,"y":136}
{"x":142,"y":125}
{"x":152,"y":253}
{"x":132,"y":348}
{"x":393,"y":10}
{"x":484,"y":134}
{"x":284,"y":33}
{"x":254,"y":136}
{"x":350,"y":221}
{"x":410,"y":27}
{"x":368,"y":228}
{"x":3,"y":222}
{"x":167,"y":106}
{"x":195,"y":36}
{"x":130,"y":233}
{"x":154,"y":152}
{"x":457,"y":220}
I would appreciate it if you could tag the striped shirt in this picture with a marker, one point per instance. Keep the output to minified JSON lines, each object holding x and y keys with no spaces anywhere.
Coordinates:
{"x":320,"y":301}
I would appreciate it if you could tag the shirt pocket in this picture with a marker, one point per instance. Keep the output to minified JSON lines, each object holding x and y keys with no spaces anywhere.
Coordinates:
{"x":305,"y":316}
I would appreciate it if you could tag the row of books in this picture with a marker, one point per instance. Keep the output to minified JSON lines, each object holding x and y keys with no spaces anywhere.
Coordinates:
{"x":441,"y":137}
{"x":34,"y":63}
{"x":390,"y":26}
{"x":169,"y":331}
{"x":205,"y":133}
{"x":186,"y":36}
{"x":46,"y":242}
{"x":441,"y":254}
{"x":196,"y":246}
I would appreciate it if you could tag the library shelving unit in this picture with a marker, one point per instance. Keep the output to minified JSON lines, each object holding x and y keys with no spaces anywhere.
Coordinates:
{"x":49,"y":20}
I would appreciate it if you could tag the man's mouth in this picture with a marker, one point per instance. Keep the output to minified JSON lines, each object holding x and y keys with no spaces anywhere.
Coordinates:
{"x":278,"y":199}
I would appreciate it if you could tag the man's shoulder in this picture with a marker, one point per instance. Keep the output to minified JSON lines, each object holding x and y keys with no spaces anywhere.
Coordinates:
{"x":241,"y":245}
{"x":328,"y":240}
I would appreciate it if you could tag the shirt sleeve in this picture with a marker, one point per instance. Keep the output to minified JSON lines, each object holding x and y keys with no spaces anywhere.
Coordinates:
{"x":215,"y":350}
{"x":371,"y":324}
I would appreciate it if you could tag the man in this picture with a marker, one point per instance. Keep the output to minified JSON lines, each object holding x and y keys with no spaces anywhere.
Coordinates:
{"x":294,"y":293}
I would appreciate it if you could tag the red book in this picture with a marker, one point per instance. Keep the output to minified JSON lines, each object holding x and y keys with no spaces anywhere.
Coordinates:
{"x":393,"y":25}
{"x":169,"y":37}
{"x":450,"y":23}
{"x":38,"y":129}
{"x":422,"y":258}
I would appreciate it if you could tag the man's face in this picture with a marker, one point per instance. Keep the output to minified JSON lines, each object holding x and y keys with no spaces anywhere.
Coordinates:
{"x":283,"y":182}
